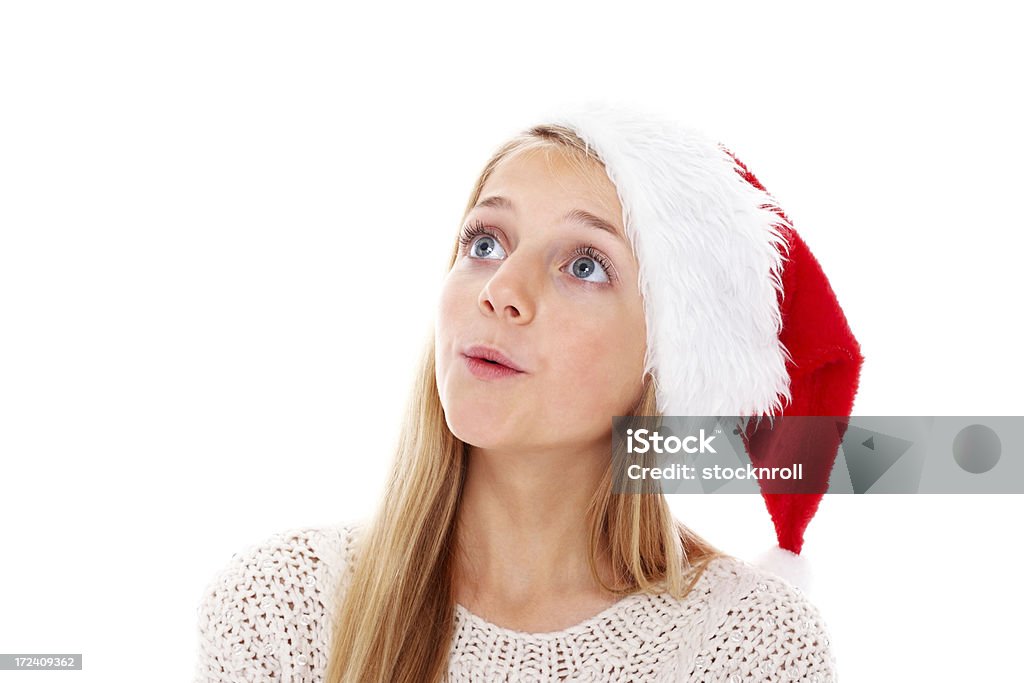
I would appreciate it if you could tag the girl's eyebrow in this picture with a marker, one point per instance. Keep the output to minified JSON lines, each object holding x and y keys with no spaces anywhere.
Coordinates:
{"x":575,"y":216}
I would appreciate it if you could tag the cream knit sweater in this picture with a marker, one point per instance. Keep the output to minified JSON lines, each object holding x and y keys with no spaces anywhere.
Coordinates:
{"x":266,"y":618}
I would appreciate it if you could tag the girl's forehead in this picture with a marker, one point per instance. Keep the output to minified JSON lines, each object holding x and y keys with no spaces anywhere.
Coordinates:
{"x":552,"y":172}
{"x":556,"y":160}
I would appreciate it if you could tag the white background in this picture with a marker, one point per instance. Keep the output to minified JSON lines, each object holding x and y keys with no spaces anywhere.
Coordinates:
{"x":224,"y":227}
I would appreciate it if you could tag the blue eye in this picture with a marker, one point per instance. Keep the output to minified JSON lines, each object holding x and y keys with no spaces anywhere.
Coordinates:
{"x":472,"y":231}
{"x":587,"y":259}
{"x":487,"y":244}
{"x":589,"y":254}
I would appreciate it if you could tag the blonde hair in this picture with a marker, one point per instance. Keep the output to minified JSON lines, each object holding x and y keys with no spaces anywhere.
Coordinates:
{"x":396,"y":617}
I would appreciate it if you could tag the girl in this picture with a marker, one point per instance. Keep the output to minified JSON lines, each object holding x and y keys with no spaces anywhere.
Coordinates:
{"x":499,"y":551}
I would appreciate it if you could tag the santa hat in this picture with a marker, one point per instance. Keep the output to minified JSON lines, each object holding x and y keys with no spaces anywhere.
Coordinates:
{"x":741,"y":319}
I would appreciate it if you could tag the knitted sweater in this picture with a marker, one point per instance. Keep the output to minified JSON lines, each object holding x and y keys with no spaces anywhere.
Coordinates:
{"x":266,"y":617}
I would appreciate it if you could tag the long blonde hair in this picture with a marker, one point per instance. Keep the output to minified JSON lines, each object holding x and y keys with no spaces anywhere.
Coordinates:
{"x":395,"y":620}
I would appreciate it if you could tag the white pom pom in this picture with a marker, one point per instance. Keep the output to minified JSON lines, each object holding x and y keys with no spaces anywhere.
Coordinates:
{"x":788,"y":565}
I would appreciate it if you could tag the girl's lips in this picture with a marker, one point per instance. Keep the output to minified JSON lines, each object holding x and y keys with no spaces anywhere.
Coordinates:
{"x":489,"y":353}
{"x":489,"y":370}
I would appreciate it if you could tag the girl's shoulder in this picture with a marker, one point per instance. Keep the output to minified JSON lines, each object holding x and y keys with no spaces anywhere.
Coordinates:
{"x":737,"y":584}
{"x":266,"y":612}
{"x":294,"y":557}
{"x":756,"y":618}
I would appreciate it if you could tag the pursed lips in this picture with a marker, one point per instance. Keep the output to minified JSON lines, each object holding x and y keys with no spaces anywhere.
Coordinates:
{"x":491,"y":355}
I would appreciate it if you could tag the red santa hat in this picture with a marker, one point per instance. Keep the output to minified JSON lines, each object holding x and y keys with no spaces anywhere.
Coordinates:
{"x":741,"y":319}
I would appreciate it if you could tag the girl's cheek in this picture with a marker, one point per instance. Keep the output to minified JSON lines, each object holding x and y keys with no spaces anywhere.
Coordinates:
{"x":445,"y":304}
{"x":458,"y":298}
{"x":585,"y":352}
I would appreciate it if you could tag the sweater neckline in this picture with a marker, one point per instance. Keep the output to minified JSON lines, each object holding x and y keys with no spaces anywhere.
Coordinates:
{"x":576,"y":629}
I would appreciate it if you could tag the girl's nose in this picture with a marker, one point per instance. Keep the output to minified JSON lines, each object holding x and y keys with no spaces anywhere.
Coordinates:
{"x":511,"y":292}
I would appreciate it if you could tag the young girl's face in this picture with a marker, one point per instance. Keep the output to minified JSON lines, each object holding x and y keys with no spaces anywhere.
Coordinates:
{"x":557,"y":296}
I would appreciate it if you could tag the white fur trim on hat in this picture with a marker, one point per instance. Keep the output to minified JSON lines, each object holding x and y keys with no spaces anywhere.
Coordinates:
{"x":710,"y":255}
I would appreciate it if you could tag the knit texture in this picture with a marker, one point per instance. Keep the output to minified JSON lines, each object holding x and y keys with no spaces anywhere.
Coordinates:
{"x":266,"y":617}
